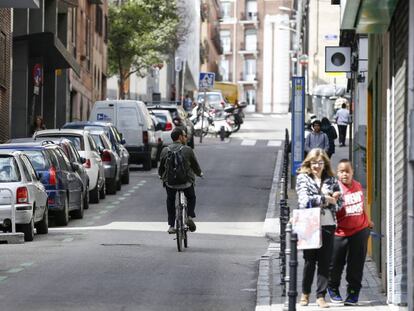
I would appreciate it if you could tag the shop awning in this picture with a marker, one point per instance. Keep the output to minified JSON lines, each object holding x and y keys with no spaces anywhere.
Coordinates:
{"x":48,"y":46}
{"x":19,"y":4}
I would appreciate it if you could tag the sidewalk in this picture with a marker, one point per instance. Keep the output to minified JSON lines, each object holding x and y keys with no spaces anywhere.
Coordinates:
{"x":371,"y":295}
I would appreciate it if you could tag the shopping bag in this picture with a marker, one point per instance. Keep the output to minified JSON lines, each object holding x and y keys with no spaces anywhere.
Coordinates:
{"x":306,"y":223}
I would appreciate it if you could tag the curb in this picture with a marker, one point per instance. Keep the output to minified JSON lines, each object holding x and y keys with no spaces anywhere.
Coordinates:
{"x":271,"y":229}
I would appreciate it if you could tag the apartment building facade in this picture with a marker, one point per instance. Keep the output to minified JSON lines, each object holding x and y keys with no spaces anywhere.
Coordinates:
{"x":88,"y":33}
{"x":255,"y":36}
{"x":210,"y":44}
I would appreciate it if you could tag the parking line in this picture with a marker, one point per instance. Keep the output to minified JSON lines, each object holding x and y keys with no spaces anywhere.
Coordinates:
{"x":15,"y":270}
{"x":131,"y":191}
{"x":27,"y":264}
{"x":3,"y":278}
{"x":70,"y":239}
{"x":127,"y":194}
{"x":121,"y":198}
{"x":116,"y":202}
{"x":109,"y":206}
{"x":103,"y":212}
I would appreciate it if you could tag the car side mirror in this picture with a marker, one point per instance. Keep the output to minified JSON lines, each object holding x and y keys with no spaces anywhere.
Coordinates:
{"x":82,"y":160}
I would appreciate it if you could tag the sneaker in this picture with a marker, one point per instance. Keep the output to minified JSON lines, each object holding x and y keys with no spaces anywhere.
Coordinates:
{"x":171,"y":230}
{"x":304,"y":300}
{"x":352,"y":298}
{"x":335,"y":295}
{"x":322,"y":303}
{"x":190,"y":223}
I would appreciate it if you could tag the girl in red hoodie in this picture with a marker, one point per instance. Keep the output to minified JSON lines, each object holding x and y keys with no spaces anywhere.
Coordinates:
{"x":351,"y":237}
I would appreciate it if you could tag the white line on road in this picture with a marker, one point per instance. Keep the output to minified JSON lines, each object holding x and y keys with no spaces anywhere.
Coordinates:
{"x":252,"y":229}
{"x":274,"y":143}
{"x":249,"y":142}
{"x":3,"y":278}
{"x":15,"y":270}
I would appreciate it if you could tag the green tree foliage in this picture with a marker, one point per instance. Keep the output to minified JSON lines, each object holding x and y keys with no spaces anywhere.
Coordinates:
{"x":141,"y":34}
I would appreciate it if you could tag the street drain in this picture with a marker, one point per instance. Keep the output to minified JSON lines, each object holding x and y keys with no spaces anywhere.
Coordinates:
{"x":120,"y":244}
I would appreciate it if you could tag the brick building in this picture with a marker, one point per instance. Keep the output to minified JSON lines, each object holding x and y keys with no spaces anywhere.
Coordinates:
{"x":5,"y":85}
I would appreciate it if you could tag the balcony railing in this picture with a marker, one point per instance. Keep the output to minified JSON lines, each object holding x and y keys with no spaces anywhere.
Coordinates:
{"x":251,"y":17}
{"x":248,"y":78}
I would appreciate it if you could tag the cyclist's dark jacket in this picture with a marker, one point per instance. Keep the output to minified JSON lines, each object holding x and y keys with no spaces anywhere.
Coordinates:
{"x":188,"y":155}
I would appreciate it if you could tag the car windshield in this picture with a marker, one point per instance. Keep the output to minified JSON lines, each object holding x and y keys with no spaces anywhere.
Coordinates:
{"x":9,"y":171}
{"x":76,"y":140}
{"x":38,"y":159}
{"x":162,"y":118}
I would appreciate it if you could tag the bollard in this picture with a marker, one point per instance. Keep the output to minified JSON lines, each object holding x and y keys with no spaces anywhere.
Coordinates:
{"x":288,"y":250}
{"x":293,"y":272}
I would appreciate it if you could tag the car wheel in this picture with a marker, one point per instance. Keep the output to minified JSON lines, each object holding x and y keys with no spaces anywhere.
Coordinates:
{"x":102,"y":193}
{"x":119,"y":184}
{"x":43,"y":226}
{"x":78,"y":214}
{"x":86,"y":199}
{"x":94,"y":195}
{"x":62,"y":218}
{"x":147,"y":163}
{"x":27,"y":229}
{"x":125,"y":177}
{"x":111,"y":186}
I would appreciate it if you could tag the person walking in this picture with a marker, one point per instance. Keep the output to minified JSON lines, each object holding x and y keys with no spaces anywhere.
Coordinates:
{"x":351,"y":238}
{"x":179,"y":137}
{"x":330,"y":131}
{"x":342,"y":120}
{"x":316,"y":139}
{"x":38,"y":124}
{"x":316,"y":186}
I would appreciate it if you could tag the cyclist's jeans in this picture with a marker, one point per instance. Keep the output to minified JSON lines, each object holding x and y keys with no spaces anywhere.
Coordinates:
{"x":191,"y":202}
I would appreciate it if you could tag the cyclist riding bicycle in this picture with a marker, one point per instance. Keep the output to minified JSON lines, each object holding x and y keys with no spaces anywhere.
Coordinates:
{"x":179,"y":137}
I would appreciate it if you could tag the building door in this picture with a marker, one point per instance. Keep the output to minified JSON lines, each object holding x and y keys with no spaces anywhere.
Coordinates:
{"x":250,"y":96}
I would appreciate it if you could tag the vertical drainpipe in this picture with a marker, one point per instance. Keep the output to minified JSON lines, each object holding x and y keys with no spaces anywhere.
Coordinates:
{"x":410,"y":166}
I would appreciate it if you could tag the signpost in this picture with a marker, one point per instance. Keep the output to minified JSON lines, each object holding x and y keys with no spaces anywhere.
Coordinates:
{"x":206,"y":82}
{"x":298,"y":122}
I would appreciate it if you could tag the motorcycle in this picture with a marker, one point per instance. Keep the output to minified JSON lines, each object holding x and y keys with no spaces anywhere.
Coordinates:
{"x":210,"y":123}
{"x":235,"y":115}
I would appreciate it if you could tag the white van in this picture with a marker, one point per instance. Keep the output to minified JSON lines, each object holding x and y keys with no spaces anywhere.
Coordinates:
{"x":134,"y":122}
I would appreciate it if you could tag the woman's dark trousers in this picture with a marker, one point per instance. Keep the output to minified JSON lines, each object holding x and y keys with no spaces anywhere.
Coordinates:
{"x":351,"y":250}
{"x":322,"y":258}
{"x":191,"y":202}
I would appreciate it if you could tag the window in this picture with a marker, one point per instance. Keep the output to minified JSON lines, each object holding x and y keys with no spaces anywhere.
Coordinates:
{"x":52,"y":158}
{"x":98,"y":20}
{"x":224,"y":69}
{"x":3,"y":60}
{"x":250,"y":40}
{"x":249,"y":69}
{"x":225,"y":40}
{"x":63,"y":160}
{"x":92,"y":144}
{"x":250,"y":97}
{"x":28,"y":168}
{"x":88,"y":43}
{"x":37,"y":159}
{"x":251,"y":9}
{"x":74,"y":29}
{"x":106,"y":30}
{"x":226,"y":10}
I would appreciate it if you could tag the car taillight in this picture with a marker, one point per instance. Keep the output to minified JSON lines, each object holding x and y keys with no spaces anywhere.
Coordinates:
{"x":106,"y":156}
{"x":22,"y":195}
{"x":87,"y":163}
{"x":223,"y":104}
{"x":52,"y":176}
{"x":145,"y":137}
{"x":168,"y":126}
{"x":159,"y":140}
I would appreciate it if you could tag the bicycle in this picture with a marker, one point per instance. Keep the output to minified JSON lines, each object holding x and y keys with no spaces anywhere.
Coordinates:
{"x":181,"y":221}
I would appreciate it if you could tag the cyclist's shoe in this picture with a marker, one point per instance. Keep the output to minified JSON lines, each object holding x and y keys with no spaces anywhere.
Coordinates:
{"x":171,"y":230}
{"x":190,"y":223}
{"x":335,"y":295}
{"x":352,"y":298}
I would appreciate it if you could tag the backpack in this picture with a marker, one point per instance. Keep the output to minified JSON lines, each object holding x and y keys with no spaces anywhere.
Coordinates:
{"x":175,"y":166}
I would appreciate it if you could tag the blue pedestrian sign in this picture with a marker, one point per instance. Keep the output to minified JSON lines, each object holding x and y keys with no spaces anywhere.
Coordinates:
{"x":206,"y":80}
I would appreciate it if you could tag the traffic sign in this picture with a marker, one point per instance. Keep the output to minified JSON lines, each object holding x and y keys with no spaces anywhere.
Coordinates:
{"x":206,"y":80}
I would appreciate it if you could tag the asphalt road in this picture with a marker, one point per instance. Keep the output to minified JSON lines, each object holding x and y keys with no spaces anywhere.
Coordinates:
{"x":119,"y":257}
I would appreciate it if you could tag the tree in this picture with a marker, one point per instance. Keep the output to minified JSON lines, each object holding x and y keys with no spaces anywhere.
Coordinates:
{"x":141,"y":34}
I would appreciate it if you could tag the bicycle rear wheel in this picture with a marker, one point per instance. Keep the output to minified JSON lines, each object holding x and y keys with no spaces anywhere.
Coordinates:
{"x":179,"y":228}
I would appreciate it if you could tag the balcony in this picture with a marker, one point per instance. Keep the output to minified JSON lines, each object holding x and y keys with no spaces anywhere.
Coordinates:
{"x":249,"y":18}
{"x":248,"y":51}
{"x":248,"y":79}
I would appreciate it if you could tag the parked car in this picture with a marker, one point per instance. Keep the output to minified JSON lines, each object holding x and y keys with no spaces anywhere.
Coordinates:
{"x":116,"y":140}
{"x":63,"y":185}
{"x":87,"y":149}
{"x":179,"y":116}
{"x":110,"y":159}
{"x":27,"y":192}
{"x":158,"y":137}
{"x":133,"y":120}
{"x":165,"y":119}
{"x":73,"y":156}
{"x":214,"y":100}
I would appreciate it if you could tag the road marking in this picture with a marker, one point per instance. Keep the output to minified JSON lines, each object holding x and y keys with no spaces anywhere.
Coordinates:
{"x":248,"y":142}
{"x":121,"y":198}
{"x":70,"y":239}
{"x":252,"y":229}
{"x":110,"y":206}
{"x":3,"y":278}
{"x":27,"y":264}
{"x":131,"y":191}
{"x":15,"y":270}
{"x":103,"y":212}
{"x":116,"y":202}
{"x":127,"y":194}
{"x":97,"y":217}
{"x":274,"y":143}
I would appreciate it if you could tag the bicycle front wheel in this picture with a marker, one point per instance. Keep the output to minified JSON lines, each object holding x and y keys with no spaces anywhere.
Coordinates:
{"x":179,"y":230}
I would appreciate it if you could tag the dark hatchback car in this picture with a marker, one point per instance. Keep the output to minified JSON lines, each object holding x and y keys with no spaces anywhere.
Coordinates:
{"x":114,"y":137}
{"x":63,"y":185}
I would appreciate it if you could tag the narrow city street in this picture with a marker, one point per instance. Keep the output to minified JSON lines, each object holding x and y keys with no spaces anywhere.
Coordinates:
{"x":120,"y":257}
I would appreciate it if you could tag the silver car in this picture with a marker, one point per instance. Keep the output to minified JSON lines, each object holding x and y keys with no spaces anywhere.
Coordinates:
{"x":110,"y":160}
{"x":28,"y":193}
